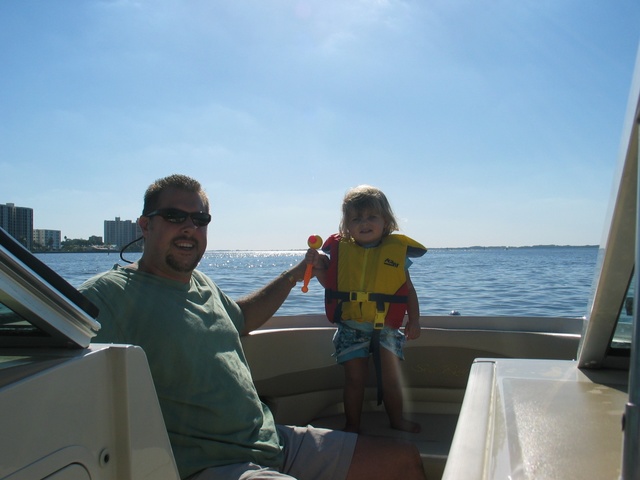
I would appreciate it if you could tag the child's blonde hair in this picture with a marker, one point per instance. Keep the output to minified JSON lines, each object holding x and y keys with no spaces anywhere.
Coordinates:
{"x":366,"y":197}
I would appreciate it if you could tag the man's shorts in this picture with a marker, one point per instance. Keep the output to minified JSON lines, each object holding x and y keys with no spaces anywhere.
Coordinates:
{"x":353,"y":343}
{"x":310,"y":454}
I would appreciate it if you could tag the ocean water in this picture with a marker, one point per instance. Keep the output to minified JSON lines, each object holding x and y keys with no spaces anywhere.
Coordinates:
{"x":529,"y":281}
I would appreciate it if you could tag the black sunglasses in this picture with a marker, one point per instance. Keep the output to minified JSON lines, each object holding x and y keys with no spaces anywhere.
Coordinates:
{"x":177,"y":216}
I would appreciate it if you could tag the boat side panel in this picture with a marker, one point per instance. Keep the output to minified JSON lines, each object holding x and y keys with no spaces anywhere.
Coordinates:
{"x":97,"y":409}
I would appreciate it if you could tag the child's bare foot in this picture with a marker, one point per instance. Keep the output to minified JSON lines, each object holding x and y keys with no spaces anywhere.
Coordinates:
{"x":406,"y":426}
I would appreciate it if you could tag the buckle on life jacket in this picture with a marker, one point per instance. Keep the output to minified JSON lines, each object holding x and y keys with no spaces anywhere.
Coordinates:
{"x":381,"y":315}
{"x":362,"y":297}
{"x":378,"y":321}
{"x":359,"y":296}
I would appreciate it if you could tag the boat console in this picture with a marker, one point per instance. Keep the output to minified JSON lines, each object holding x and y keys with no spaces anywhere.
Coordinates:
{"x":70,"y":410}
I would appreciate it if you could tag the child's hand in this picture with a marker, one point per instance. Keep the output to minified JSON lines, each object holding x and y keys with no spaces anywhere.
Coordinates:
{"x":315,"y":258}
{"x":412,"y":329}
{"x":320,"y":264}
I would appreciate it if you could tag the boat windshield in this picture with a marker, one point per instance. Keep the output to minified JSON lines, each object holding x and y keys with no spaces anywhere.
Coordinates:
{"x":623,"y":333}
{"x":12,"y":324}
{"x":37,"y":306}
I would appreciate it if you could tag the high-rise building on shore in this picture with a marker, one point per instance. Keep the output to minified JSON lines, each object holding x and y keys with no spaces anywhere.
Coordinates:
{"x":47,"y":239}
{"x":18,"y":222}
{"x":120,"y":232}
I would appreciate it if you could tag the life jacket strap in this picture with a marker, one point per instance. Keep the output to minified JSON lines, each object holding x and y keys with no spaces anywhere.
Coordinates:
{"x":374,"y":348}
{"x":365,"y":297}
{"x":361,"y":297}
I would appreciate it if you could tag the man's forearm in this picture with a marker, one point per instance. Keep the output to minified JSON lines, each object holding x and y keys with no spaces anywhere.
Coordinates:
{"x":260,"y":306}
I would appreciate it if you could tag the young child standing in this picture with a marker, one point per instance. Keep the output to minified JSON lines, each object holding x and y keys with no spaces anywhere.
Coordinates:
{"x":368,"y":291}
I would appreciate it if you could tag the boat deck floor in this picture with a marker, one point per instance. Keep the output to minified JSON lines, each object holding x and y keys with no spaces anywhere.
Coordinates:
{"x":433,"y":441}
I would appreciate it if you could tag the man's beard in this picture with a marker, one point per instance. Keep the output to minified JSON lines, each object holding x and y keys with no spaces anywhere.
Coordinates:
{"x":181,"y":267}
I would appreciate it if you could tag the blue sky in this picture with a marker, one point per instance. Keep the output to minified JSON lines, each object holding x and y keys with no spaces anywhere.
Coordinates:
{"x":486,"y":122}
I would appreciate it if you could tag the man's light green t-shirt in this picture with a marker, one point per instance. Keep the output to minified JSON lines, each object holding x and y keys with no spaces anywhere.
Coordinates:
{"x":189,"y":333}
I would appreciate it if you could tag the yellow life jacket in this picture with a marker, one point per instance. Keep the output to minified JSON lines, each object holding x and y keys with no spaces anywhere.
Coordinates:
{"x":369,"y":284}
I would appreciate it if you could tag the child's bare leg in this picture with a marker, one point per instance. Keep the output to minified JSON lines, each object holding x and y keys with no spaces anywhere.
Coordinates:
{"x":355,"y":375}
{"x":393,"y":401}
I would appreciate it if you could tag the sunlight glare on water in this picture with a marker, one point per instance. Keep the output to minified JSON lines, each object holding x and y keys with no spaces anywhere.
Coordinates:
{"x":530,"y":281}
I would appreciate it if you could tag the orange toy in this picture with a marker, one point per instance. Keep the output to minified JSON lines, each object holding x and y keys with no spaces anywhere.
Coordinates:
{"x":314,"y":241}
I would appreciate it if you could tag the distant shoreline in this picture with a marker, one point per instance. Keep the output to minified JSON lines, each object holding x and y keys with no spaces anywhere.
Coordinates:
{"x":507,"y":247}
{"x":475,"y":247}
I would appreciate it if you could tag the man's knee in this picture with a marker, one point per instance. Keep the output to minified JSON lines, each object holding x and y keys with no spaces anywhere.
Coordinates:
{"x":385,"y":458}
